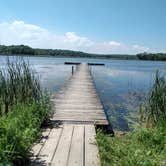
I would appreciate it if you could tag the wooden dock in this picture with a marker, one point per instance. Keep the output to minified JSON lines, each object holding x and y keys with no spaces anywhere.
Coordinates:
{"x":78,"y":100}
{"x":78,"y":108}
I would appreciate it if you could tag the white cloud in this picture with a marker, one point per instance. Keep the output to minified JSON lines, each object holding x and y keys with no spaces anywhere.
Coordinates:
{"x":114,"y":43}
{"x":140,"y":48}
{"x":19,"y":32}
{"x":71,"y":37}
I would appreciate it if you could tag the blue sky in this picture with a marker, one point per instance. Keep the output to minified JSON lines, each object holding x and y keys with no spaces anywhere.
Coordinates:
{"x":102,"y":26}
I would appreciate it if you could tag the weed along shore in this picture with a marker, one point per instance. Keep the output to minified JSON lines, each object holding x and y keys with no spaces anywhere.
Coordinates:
{"x":24,"y":108}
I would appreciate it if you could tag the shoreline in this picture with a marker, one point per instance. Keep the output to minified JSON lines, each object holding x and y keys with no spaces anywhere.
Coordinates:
{"x":74,"y":57}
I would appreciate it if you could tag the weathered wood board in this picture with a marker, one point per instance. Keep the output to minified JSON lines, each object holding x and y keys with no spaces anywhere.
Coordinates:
{"x":68,"y":145}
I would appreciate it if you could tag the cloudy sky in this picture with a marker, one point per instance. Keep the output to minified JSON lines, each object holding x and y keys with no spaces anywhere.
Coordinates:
{"x":95,"y":26}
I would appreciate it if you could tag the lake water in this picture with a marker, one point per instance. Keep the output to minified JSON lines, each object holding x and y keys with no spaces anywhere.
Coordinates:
{"x":121,"y":84}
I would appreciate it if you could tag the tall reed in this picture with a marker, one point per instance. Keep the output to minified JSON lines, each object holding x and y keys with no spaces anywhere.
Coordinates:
{"x":18,"y":84}
{"x":155,"y":108}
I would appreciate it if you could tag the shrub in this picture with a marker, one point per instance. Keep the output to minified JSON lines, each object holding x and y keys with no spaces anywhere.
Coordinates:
{"x":18,"y":130}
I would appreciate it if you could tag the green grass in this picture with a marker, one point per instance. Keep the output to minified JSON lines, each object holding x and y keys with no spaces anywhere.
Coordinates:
{"x":144,"y":147}
{"x":24,"y":108}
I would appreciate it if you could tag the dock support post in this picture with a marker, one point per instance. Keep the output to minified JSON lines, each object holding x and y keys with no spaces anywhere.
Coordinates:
{"x":72,"y":70}
{"x":90,"y":69}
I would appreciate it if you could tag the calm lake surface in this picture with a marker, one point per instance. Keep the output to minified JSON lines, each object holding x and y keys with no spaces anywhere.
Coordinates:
{"x":121,"y":84}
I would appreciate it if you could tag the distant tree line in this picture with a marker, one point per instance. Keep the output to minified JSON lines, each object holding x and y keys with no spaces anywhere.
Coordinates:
{"x":152,"y":56}
{"x":17,"y":49}
{"x":26,"y":50}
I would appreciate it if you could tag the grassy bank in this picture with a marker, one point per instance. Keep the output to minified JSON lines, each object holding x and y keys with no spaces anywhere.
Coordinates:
{"x":24,"y":107}
{"x":145,"y":146}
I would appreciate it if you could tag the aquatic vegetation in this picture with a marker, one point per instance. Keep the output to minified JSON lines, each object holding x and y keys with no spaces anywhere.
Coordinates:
{"x":154,"y":109}
{"x":24,"y":108}
{"x":18,"y":84}
{"x":124,"y":114}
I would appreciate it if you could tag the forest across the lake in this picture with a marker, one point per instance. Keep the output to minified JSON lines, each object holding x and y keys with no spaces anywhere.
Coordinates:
{"x":26,"y":50}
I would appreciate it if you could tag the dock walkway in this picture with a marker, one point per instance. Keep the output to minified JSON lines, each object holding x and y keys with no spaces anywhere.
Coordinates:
{"x":78,"y":108}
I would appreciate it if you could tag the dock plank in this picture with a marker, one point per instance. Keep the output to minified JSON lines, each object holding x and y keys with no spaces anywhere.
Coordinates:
{"x":37,"y":146}
{"x":63,"y":149}
{"x":76,"y":157}
{"x":91,"y":150}
{"x":47,"y":151}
